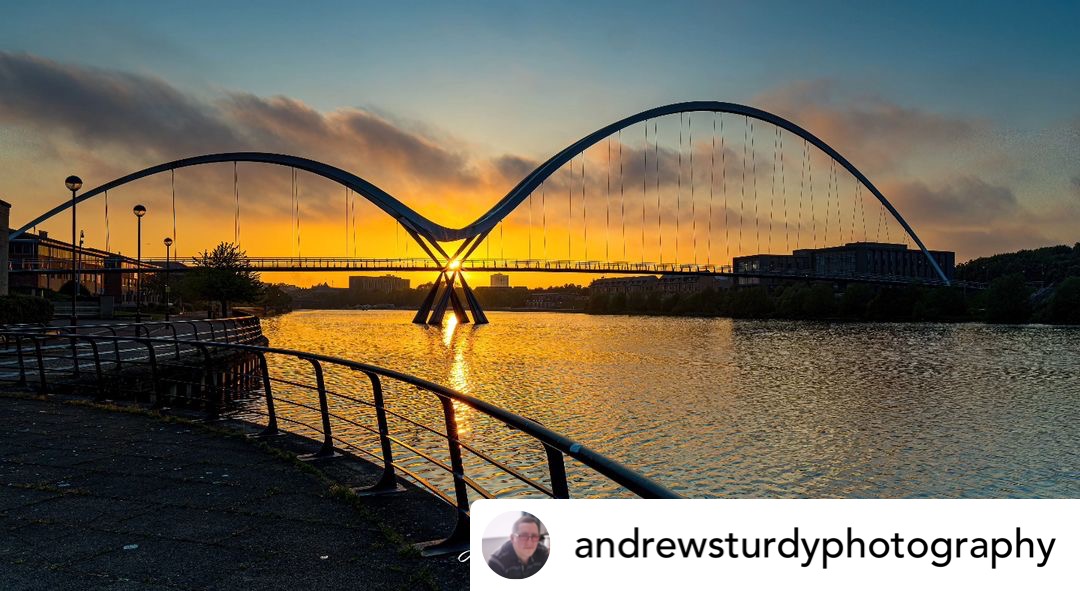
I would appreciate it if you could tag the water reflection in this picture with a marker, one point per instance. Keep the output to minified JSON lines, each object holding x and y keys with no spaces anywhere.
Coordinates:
{"x":714,"y":407}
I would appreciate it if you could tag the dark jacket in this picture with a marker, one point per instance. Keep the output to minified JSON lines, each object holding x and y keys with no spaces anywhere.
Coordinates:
{"x":505,"y":562}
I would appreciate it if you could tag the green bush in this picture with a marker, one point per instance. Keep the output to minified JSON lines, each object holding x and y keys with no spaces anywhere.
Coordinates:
{"x":1065,"y":307}
{"x":1007,"y":300}
{"x":24,"y":310}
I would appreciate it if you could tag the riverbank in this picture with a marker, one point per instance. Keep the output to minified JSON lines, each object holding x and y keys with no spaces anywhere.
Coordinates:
{"x":100,"y":497}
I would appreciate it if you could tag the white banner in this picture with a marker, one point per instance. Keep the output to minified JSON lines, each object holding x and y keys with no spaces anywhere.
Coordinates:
{"x":566,"y":545}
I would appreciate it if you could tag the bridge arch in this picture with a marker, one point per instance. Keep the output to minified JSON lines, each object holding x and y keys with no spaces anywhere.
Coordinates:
{"x":474,"y":232}
{"x":486,"y":222}
{"x":366,"y":189}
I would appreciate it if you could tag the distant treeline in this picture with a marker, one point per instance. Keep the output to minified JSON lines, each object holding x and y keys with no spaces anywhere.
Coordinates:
{"x":489,"y":297}
{"x":1041,"y":285}
{"x":1049,"y":265}
{"x":1008,"y":300}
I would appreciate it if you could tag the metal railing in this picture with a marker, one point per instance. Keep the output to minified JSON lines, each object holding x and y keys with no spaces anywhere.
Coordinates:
{"x":172,"y":370}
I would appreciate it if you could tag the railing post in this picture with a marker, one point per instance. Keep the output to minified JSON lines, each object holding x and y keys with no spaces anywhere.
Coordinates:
{"x":209,"y":380}
{"x":97,"y":369}
{"x":388,"y":481}
{"x":176,"y":340}
{"x":74,"y":357}
{"x":557,"y":469}
{"x":271,"y":425}
{"x":22,"y":362}
{"x":327,"y":449}
{"x":154,"y":374}
{"x":458,"y":540}
{"x":43,"y":386}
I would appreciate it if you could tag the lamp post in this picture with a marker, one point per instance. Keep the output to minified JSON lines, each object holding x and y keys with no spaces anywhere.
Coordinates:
{"x":73,"y":184}
{"x":168,"y":301}
{"x":139,"y":211}
{"x":78,"y":261}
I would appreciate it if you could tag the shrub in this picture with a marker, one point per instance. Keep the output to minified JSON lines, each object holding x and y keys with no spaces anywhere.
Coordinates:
{"x":24,"y":310}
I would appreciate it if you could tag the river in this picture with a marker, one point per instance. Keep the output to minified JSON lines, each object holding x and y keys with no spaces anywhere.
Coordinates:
{"x":751,"y":408}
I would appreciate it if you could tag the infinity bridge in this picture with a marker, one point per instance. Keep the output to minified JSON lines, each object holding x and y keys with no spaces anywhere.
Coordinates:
{"x":686,"y":188}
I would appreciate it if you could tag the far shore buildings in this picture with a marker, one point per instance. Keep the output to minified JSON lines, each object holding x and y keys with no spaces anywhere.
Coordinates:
{"x":500,"y":280}
{"x":854,"y":259}
{"x":384,"y":284}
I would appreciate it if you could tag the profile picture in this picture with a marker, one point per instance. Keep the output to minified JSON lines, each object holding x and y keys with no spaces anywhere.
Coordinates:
{"x":516,"y":545}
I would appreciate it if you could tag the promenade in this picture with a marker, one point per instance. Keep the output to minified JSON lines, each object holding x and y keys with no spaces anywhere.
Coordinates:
{"x":93,"y":498}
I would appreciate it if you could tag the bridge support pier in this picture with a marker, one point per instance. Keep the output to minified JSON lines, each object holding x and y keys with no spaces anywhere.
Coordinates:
{"x":442,"y":295}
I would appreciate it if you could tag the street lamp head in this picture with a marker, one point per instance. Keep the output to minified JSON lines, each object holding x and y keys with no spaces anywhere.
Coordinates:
{"x":73,"y":183}
{"x":139,"y":211}
{"x":168,"y":241}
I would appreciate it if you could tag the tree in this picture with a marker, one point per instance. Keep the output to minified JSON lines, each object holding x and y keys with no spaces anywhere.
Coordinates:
{"x":1065,"y":307}
{"x":275,"y":299}
{"x":1007,"y":300}
{"x":224,"y":275}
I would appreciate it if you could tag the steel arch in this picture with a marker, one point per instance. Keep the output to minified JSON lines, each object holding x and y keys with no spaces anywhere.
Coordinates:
{"x":438,"y":233}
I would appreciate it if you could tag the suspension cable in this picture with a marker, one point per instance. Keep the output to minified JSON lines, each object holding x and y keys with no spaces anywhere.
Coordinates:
{"x":607,"y":201}
{"x":712,"y":187}
{"x":584,"y":220}
{"x":742,"y":189}
{"x":656,"y":165}
{"x":772,"y":189}
{"x":543,"y":213}
{"x":678,"y":193}
{"x":783,"y":190}
{"x":753,"y":161}
{"x":693,"y":199}
{"x":644,"y":183}
{"x":236,"y":196}
{"x":622,"y":196}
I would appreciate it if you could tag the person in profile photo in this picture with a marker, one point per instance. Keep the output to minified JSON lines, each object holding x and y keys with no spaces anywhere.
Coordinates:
{"x":523,"y":555}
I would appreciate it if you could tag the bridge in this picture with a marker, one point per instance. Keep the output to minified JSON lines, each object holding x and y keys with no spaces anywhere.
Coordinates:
{"x":696,"y":188}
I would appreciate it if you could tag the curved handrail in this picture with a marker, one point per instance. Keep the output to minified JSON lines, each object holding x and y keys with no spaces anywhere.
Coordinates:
{"x":555,"y":445}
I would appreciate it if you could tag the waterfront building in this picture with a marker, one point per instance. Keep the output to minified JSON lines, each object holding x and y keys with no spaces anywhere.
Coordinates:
{"x":39,"y":251}
{"x":554,"y":300}
{"x":854,"y":259}
{"x":500,"y":280}
{"x":665,"y":284}
{"x":384,"y":284}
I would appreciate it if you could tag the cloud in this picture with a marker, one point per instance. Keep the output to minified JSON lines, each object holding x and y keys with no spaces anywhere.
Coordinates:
{"x":975,"y":218}
{"x":965,"y":202}
{"x":874,"y":133}
{"x":98,"y":106}
{"x":1075,"y":184}
{"x":119,"y":122}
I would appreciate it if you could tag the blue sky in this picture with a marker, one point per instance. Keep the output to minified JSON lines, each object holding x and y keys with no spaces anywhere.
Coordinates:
{"x":473,"y":69}
{"x":475,"y":82}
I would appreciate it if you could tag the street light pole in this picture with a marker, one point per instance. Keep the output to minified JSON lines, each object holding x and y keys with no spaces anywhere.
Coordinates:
{"x":168,"y":300}
{"x":78,"y":261}
{"x":73,"y":183}
{"x":139,"y":212}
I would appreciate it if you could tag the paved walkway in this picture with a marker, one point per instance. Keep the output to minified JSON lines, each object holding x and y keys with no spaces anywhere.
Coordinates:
{"x":100,"y":499}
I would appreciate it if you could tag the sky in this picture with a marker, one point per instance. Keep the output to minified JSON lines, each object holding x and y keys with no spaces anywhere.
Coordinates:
{"x":966,"y":116}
